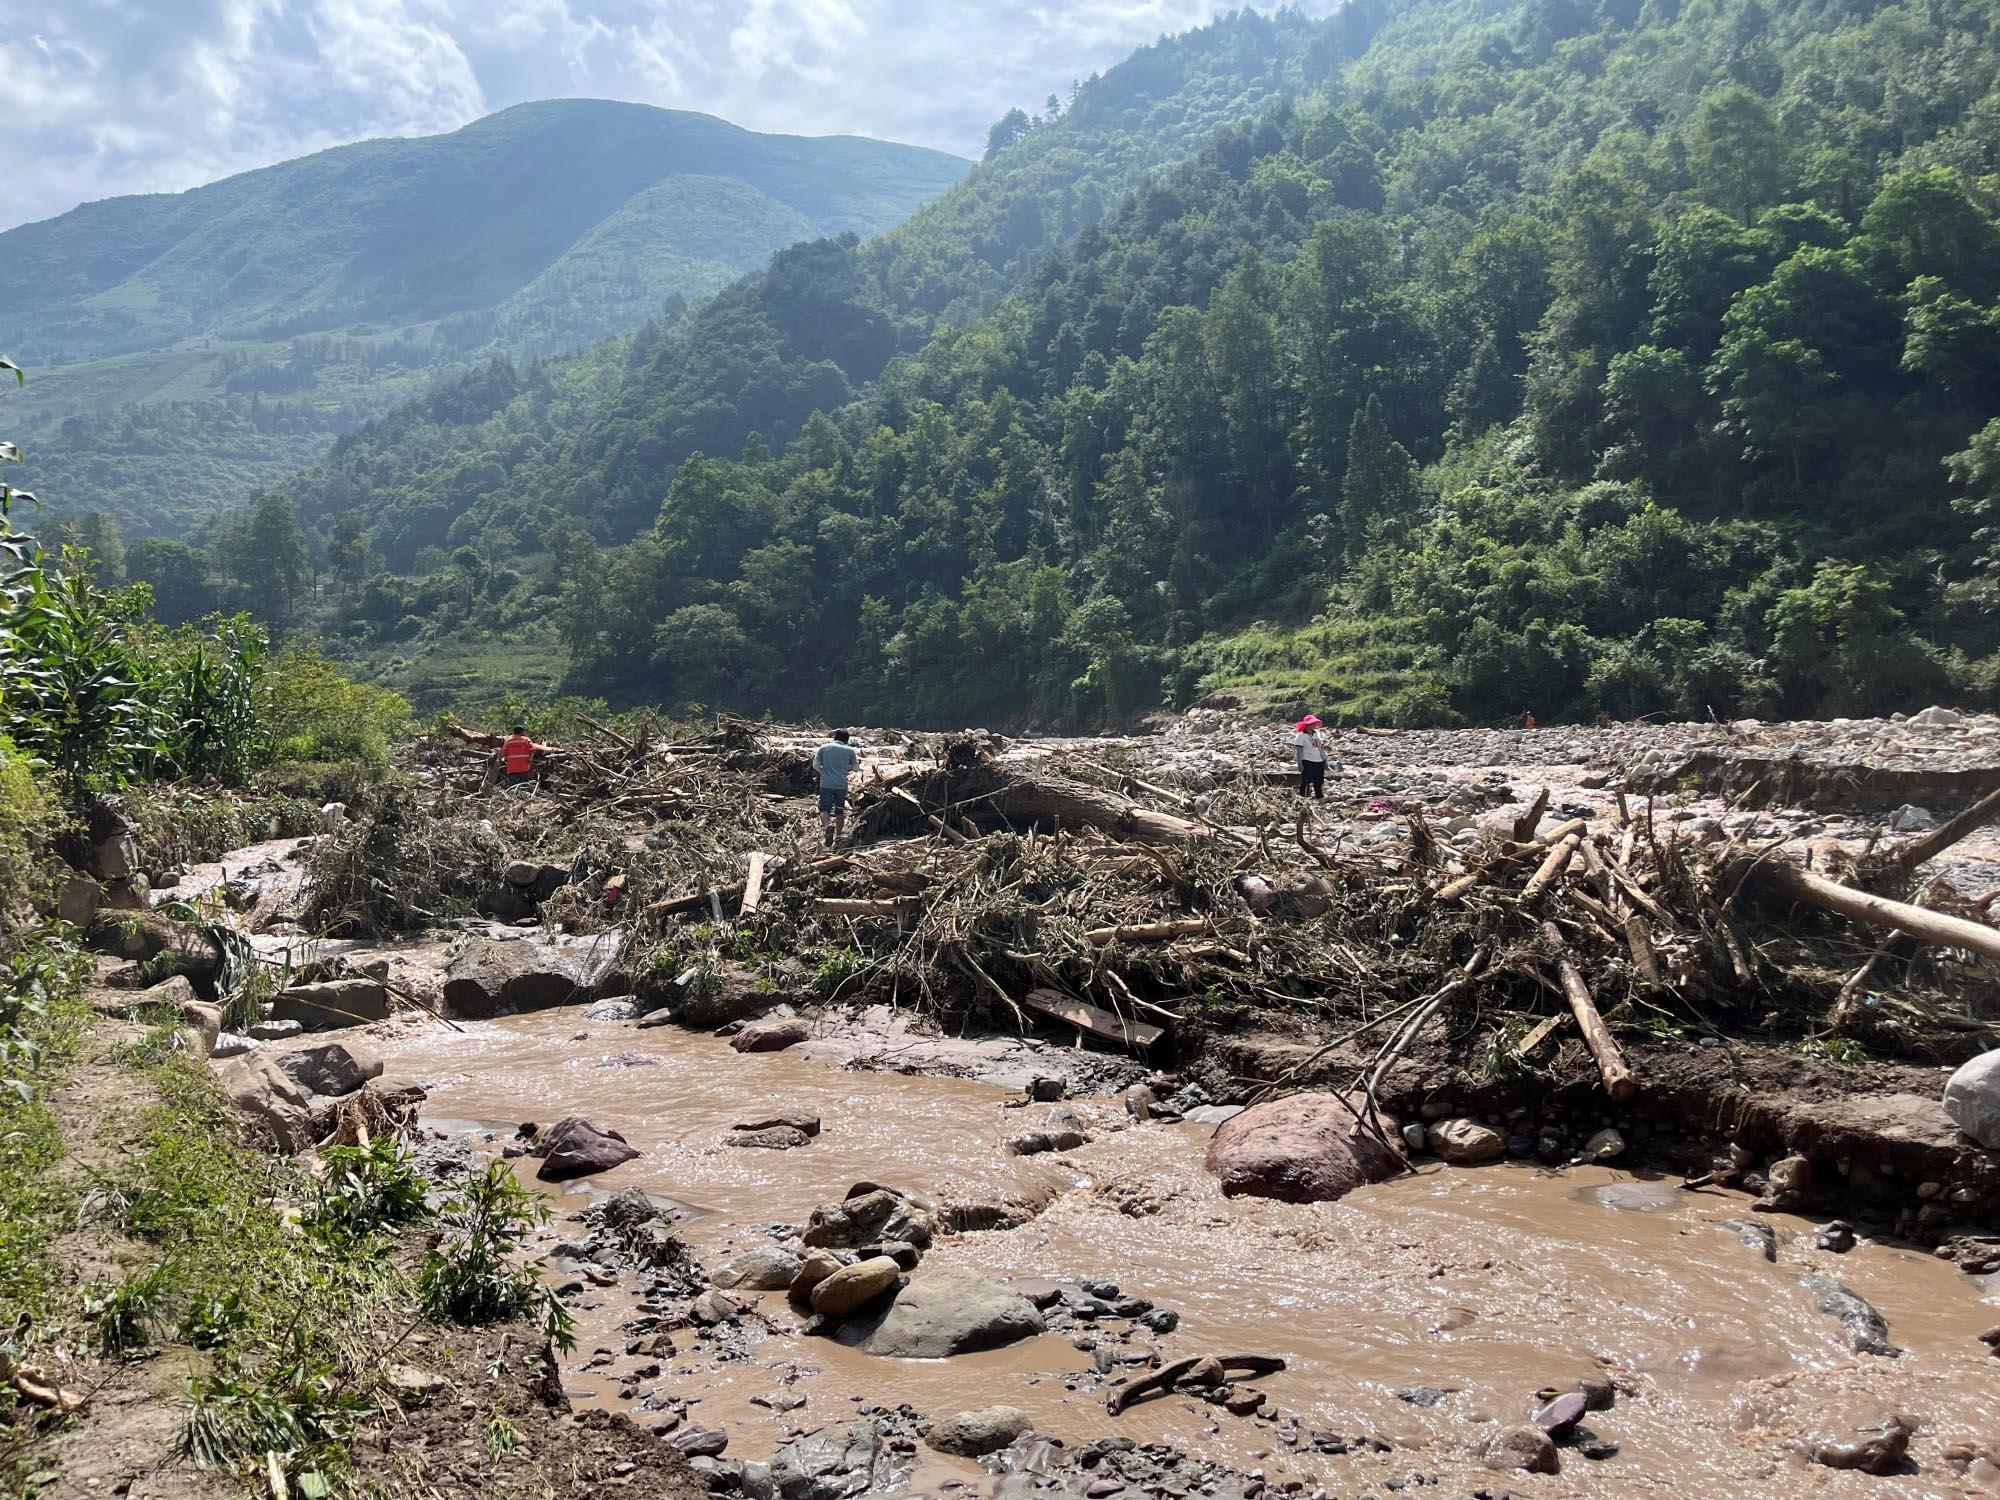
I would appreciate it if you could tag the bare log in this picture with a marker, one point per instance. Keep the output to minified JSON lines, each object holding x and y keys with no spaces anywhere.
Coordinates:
{"x":753,"y":886}
{"x":1147,"y":932}
{"x":1550,"y":869}
{"x":1908,"y":856}
{"x":1618,"y":1080}
{"x":834,"y":906}
{"x":1644,"y":959}
{"x":1524,"y":826}
{"x":1788,"y":879}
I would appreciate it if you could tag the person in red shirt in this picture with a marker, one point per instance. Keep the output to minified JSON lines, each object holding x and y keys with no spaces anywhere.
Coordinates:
{"x":517,"y":758}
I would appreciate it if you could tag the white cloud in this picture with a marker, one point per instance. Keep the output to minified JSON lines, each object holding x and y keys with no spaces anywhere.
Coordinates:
{"x":122,"y":96}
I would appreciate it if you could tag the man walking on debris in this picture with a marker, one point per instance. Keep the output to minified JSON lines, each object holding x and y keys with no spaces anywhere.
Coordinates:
{"x":834,"y":761}
{"x":517,"y":758}
{"x":1309,"y":752}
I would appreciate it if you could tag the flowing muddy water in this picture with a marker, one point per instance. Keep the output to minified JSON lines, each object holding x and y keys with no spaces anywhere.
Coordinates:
{"x":1485,"y":1284}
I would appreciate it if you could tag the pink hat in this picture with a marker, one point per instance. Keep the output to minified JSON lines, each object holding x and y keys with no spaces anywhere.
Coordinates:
{"x":1310,"y":721}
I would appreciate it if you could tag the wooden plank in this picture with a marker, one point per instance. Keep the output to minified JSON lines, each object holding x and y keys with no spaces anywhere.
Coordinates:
{"x":753,"y":888}
{"x":1532,"y":1042}
{"x":1093,"y":1019}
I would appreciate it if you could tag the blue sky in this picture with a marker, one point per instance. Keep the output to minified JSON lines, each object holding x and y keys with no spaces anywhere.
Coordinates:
{"x":125,"y":96}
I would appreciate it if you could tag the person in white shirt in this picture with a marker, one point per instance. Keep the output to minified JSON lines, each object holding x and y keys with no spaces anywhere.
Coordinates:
{"x":1309,"y":752}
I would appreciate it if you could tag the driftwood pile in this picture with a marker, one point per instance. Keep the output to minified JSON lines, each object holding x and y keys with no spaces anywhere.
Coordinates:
{"x":1058,"y":891}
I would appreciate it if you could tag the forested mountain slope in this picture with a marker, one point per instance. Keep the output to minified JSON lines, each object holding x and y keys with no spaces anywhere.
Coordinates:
{"x":292,"y":300}
{"x":1624,"y":357}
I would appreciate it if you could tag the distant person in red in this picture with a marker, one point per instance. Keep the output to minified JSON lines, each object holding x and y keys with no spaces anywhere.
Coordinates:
{"x":1531,"y":721}
{"x":517,"y":758}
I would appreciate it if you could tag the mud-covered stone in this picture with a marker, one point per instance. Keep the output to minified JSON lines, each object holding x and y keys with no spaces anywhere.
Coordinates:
{"x":832,"y":1463}
{"x":853,"y":1287}
{"x":1465,"y":1142}
{"x":577,"y":1148}
{"x":762,"y":1268}
{"x":1972,"y":1099}
{"x":332,"y":1069}
{"x":1300,"y":1149}
{"x":770,"y":1036}
{"x":1862,"y":1436}
{"x":332,"y":1004}
{"x":1526,"y":1449}
{"x":973,"y":1434}
{"x":861,"y":1220}
{"x":946,"y":1312}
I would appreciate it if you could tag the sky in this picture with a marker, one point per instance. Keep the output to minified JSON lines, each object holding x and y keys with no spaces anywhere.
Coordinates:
{"x":129,"y":96}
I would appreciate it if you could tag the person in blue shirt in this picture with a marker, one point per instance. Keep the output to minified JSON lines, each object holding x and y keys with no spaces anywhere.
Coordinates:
{"x":835,"y":761}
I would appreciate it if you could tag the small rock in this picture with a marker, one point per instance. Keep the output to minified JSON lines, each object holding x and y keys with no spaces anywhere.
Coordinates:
{"x":1911,"y":819}
{"x":1415,"y":1137}
{"x":816,"y":1266}
{"x":1871,"y":1439}
{"x":1597,"y":1449}
{"x":1755,"y":1233}
{"x":1161,"y":1320}
{"x":1972,"y":1099}
{"x":1605,"y":1145}
{"x":1465,"y":1141}
{"x":854,"y":1287}
{"x":611,"y":1010}
{"x":772,"y":1138}
{"x":230,"y":1044}
{"x":1422,"y":1395}
{"x":1046,"y":1090}
{"x":577,"y":1148}
{"x":1243,"y":1403}
{"x":973,"y":1434}
{"x":802,"y":1120}
{"x":275,"y":1031}
{"x":770,"y":1036}
{"x":711,"y":1308}
{"x":701,"y":1442}
{"x":1836,"y":1236}
{"x":414,"y":1386}
{"x":765,"y":1268}
{"x":1525,"y":1448}
{"x":1559,"y":1416}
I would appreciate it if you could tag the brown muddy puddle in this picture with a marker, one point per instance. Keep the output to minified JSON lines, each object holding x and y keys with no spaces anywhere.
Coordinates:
{"x":1486,"y":1283}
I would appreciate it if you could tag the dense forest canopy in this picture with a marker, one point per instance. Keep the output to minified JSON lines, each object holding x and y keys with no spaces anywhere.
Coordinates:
{"x":1443,"y":359}
{"x":205,"y":344}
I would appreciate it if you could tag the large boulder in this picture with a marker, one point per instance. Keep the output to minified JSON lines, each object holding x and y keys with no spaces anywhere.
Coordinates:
{"x":332,"y":1004}
{"x":833,"y":1463}
{"x":271,"y":1097}
{"x":503,"y":977}
{"x":852,"y":1288}
{"x":1972,"y":1099}
{"x":1301,"y":1149}
{"x":577,"y":1148}
{"x":332,"y":1069}
{"x":946,"y":1312}
{"x":868,"y":1217}
{"x":974,"y":1434}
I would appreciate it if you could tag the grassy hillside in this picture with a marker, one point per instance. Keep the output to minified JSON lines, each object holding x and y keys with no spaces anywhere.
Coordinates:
{"x":336,"y":285}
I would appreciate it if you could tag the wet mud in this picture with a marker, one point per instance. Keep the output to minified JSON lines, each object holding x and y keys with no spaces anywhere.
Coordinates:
{"x":1417,"y":1318}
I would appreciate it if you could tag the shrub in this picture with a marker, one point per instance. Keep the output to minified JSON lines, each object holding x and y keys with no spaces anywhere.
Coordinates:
{"x":475,"y":1274}
{"x":316,"y":713}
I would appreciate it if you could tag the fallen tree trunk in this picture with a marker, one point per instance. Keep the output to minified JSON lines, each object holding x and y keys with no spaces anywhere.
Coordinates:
{"x":1618,"y":1080}
{"x":1788,"y":879}
{"x":1147,"y":932}
{"x":1907,"y":857}
{"x":1071,"y":804}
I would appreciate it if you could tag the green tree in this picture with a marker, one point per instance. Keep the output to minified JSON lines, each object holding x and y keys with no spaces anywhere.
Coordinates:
{"x":1381,"y":480}
{"x":1736,"y":152}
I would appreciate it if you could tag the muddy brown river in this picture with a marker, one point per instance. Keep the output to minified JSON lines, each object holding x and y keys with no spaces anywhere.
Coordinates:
{"x":1483,"y":1283}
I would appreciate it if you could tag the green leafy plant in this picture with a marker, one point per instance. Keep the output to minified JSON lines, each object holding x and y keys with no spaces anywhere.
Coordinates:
{"x":298,"y":1406}
{"x":477,"y":1272}
{"x":366,"y":1189}
{"x":1833,"y":1049}
{"x":130,"y":1314}
{"x":210,"y":1322}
